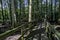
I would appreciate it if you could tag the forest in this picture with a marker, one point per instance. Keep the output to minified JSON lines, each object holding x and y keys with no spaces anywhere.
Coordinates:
{"x":29,"y":19}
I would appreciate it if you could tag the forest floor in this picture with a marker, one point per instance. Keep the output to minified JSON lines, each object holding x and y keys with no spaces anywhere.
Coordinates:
{"x":15,"y":37}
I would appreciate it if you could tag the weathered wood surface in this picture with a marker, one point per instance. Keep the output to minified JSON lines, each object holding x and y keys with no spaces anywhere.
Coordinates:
{"x":14,"y":37}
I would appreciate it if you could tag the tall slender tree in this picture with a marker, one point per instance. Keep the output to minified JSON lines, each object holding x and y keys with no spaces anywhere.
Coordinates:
{"x":13,"y":13}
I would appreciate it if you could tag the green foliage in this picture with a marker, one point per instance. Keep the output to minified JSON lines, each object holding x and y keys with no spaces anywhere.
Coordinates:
{"x":39,"y":11}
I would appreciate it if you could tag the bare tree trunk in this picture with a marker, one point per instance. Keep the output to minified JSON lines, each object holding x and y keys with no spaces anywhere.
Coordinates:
{"x":30,"y":16}
{"x":13,"y":13}
{"x":30,"y":2}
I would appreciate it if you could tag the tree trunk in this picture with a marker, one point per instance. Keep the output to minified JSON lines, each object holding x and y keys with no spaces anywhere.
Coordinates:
{"x":30,"y":2}
{"x":13,"y":13}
